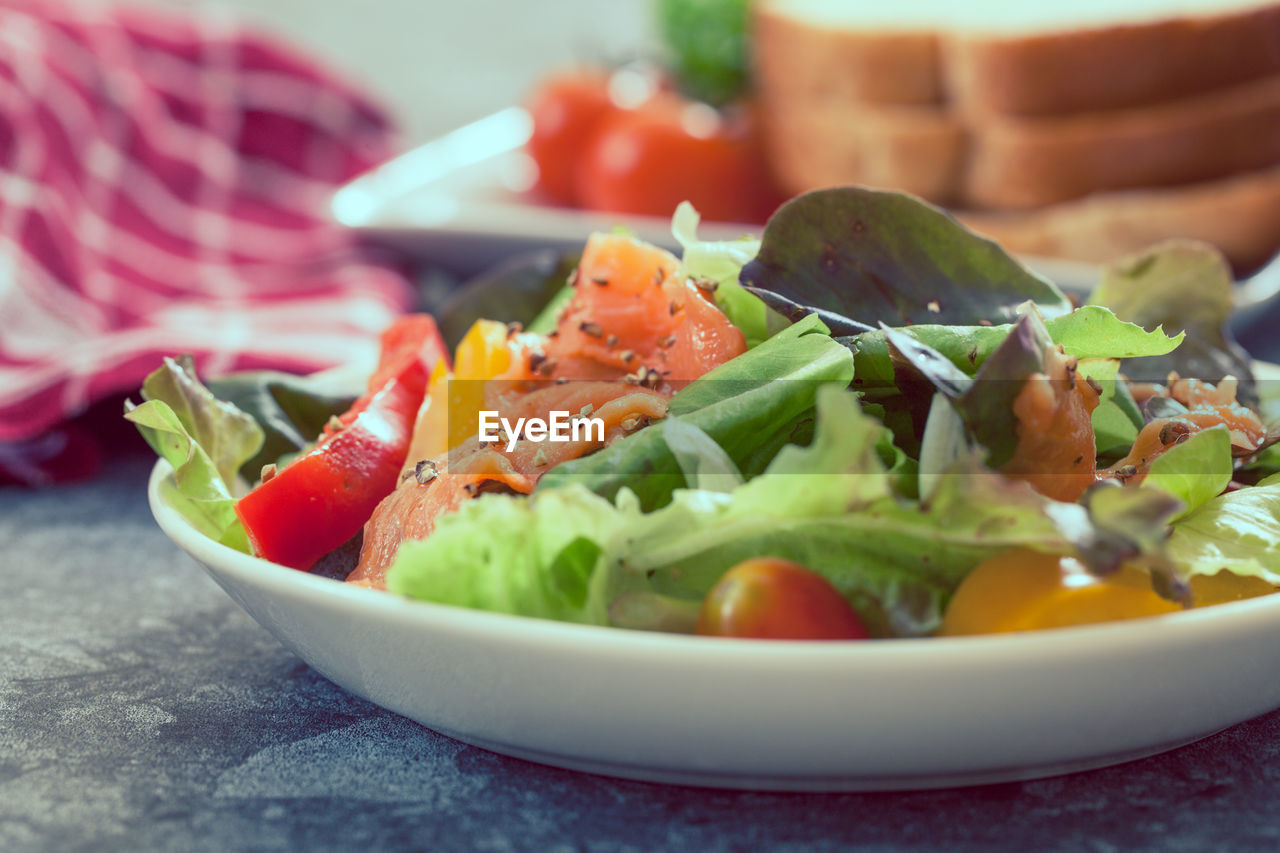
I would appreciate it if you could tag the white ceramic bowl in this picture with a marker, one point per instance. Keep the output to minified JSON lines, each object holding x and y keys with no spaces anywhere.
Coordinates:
{"x":759,"y":714}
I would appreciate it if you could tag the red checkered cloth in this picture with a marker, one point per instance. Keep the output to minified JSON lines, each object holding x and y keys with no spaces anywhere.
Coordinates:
{"x":164,"y":185}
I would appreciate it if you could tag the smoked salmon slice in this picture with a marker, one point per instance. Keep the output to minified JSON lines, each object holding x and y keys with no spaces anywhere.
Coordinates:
{"x":636,"y":330}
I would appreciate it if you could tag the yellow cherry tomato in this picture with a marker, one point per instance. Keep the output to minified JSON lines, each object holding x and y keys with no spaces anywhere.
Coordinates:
{"x":1025,"y":590}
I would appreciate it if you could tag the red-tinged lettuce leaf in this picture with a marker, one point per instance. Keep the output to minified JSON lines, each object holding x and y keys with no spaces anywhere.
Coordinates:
{"x":1181,"y":285}
{"x":984,"y":401}
{"x":205,"y":439}
{"x":1113,"y":526}
{"x":917,"y":370}
{"x":1089,"y":332}
{"x":987,"y":407}
{"x":874,"y":257}
{"x":907,"y":354}
{"x":228,"y":435}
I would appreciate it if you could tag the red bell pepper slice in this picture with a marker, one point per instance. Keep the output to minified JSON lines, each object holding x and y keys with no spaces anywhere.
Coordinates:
{"x":323,"y":498}
{"x":413,"y":337}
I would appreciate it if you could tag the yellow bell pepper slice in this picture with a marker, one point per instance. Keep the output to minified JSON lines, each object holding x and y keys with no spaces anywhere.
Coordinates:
{"x":482,"y":354}
{"x":450,"y":412}
{"x":431,"y":429}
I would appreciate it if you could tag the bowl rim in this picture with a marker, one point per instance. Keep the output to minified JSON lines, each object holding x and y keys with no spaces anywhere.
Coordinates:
{"x":1192,"y":625}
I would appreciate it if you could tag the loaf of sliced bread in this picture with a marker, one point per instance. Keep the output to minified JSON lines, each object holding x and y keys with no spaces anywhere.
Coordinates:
{"x":1240,"y":215}
{"x":1081,"y":130}
{"x":1029,"y":58}
{"x":800,"y":57}
{"x":915,"y":149}
{"x":1126,"y":55}
{"x":1018,"y":163}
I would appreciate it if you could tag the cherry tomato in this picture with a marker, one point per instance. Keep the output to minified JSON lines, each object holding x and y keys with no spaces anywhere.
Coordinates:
{"x":649,"y":159}
{"x":776,"y":599}
{"x":566,"y":110}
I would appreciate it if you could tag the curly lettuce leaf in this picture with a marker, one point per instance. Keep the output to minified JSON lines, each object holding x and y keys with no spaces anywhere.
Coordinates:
{"x":541,"y":564}
{"x":206,"y":441}
{"x":1094,"y":331}
{"x":226,"y":434}
{"x":1235,"y":532}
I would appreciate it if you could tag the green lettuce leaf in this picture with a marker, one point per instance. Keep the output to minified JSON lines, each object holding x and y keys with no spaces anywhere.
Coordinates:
{"x":750,"y":406}
{"x":1117,"y":419}
{"x":206,"y":441}
{"x":1182,"y":285}
{"x":534,"y":556}
{"x":226,"y":434}
{"x":1196,"y":470}
{"x":1094,"y":331}
{"x":1114,"y":430}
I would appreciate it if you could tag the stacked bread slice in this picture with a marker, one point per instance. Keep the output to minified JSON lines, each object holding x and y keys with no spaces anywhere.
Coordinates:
{"x":1083,"y":129}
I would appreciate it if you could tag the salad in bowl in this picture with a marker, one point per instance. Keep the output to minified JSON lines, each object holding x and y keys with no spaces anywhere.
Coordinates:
{"x":868,"y":423}
{"x":783,"y":512}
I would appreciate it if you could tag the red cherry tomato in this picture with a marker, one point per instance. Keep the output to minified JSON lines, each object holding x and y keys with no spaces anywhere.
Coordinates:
{"x":776,"y":599}
{"x":649,"y":159}
{"x":566,"y":110}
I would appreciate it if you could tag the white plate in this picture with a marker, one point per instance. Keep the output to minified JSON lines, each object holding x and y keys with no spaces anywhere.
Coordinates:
{"x":774,"y":715}
{"x":462,"y":202}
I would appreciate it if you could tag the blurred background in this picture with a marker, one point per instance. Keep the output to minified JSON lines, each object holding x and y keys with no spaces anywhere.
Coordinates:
{"x":168,"y":167}
{"x":438,"y":65}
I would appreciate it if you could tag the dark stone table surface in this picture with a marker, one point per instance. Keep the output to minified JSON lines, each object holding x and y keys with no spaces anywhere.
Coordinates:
{"x":140,"y":709}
